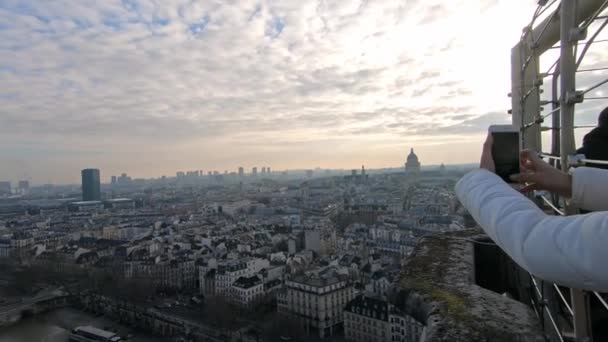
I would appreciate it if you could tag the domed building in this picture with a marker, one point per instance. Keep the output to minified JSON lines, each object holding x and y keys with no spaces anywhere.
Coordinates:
{"x":412,"y":165}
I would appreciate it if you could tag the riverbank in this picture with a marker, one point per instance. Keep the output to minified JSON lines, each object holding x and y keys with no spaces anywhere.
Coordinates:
{"x":55,"y":326}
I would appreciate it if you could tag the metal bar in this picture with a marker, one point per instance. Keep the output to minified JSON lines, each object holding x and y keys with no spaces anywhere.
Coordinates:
{"x":546,"y":7}
{"x":540,"y":295}
{"x":553,"y":206}
{"x":601,"y":300}
{"x":592,"y":69}
{"x":530,"y":124}
{"x":567,"y":80}
{"x":552,"y":66}
{"x":581,"y":314}
{"x":546,"y":309}
{"x":549,"y":156}
{"x":597,"y":98}
{"x":595,"y":15}
{"x":517,"y":87}
{"x":596,"y":86}
{"x":529,"y":92}
{"x":585,"y":126}
{"x":581,"y":43}
{"x":589,"y":42}
{"x":555,"y":121}
{"x":542,"y":32}
{"x":568,"y":24}
{"x":544,"y":116}
{"x":557,"y":331}
{"x":559,"y":292}
{"x":594,"y":161}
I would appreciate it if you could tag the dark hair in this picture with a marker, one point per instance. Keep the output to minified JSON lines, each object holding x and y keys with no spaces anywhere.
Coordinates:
{"x":602,"y":120}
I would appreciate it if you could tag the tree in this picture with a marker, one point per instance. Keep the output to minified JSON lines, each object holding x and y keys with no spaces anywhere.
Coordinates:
{"x":221,"y":314}
{"x":284,"y":327}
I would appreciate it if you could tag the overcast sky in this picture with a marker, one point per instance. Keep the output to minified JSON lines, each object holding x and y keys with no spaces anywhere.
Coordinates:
{"x":154,"y":87}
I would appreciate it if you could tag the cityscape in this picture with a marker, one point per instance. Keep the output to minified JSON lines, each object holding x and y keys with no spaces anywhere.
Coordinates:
{"x":249,"y":256}
{"x":303,"y":171}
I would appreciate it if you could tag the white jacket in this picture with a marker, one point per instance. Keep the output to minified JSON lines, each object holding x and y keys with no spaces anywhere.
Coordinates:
{"x":567,"y":250}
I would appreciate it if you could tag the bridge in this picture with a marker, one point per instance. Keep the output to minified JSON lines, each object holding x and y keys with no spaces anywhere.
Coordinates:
{"x":43,"y":301}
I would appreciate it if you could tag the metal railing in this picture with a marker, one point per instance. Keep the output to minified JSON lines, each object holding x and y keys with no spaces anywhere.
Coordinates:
{"x":565,"y":313}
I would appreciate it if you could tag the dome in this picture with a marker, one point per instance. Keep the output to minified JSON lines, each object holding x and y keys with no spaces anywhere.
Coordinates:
{"x":412,"y":165}
{"x":412,"y":156}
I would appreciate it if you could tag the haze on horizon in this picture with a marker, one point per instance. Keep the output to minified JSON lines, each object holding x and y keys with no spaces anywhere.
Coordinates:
{"x":154,"y":87}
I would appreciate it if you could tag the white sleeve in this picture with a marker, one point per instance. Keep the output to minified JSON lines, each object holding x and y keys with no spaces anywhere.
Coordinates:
{"x":590,"y":188}
{"x":568,"y":250}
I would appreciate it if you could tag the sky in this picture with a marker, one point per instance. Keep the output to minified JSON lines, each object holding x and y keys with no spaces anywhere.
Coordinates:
{"x":154,"y":87}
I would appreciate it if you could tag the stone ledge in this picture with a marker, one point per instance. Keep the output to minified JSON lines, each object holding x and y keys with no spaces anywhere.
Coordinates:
{"x":437,"y":287}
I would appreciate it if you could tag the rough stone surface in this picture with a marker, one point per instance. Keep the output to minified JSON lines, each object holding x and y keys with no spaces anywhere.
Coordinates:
{"x":438,"y":288}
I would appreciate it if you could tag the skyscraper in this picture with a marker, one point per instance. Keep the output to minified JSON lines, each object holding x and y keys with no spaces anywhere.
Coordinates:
{"x":254,"y":171}
{"x":91,"y":187}
{"x":24,"y":186}
{"x":5,"y":188}
{"x":241,"y":172}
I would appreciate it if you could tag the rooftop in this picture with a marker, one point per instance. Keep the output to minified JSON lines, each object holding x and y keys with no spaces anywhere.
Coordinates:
{"x":247,"y":282}
{"x":369,"y":307}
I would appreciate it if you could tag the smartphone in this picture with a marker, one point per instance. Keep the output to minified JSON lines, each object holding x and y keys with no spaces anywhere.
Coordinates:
{"x":505,"y":150}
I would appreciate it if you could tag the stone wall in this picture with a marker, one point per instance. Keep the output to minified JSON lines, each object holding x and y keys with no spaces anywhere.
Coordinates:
{"x":439,"y":287}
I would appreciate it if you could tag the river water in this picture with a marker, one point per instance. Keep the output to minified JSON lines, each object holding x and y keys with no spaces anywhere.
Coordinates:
{"x":56,"y":325}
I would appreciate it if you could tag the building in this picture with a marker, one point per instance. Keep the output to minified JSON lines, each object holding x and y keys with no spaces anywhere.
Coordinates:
{"x":21,"y":240}
{"x":369,"y":319}
{"x":412,"y":165}
{"x":241,"y":172}
{"x":228,"y":272}
{"x":207,"y":282}
{"x":5,"y":188}
{"x":246,"y":292}
{"x":404,"y":328}
{"x":175,"y":274}
{"x":91,"y":186}
{"x":120,"y":203}
{"x":24,"y":186}
{"x":86,"y":206}
{"x":5,"y":247}
{"x":317,"y":301}
{"x":254,"y":172}
{"x":312,"y":240}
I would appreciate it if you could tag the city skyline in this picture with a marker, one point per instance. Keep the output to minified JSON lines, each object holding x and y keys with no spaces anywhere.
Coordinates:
{"x":112,"y":179}
{"x":180,"y":85}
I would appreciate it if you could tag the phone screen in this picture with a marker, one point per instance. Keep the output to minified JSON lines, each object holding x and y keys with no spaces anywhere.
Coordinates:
{"x":505,"y":152}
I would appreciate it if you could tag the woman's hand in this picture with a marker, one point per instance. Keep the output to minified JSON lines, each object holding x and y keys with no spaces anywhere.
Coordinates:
{"x":536,"y":174}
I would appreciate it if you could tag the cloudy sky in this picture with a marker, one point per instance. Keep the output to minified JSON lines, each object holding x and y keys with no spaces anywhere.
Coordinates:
{"x":153,"y":87}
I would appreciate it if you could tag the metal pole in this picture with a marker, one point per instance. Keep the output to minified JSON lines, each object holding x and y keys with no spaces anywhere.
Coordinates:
{"x":516,"y":90}
{"x":567,"y":68}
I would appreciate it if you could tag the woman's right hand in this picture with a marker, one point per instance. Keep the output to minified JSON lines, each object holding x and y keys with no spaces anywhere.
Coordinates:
{"x":536,"y":174}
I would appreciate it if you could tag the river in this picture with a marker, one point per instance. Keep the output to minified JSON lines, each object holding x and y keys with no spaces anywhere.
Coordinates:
{"x":55,"y":326}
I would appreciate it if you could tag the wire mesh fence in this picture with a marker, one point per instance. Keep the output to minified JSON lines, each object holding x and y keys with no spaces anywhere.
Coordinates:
{"x":562,"y":39}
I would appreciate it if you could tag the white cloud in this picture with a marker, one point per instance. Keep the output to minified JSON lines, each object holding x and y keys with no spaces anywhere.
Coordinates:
{"x":88,"y":83}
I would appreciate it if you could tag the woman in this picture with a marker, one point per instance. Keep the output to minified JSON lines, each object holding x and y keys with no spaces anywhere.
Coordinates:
{"x":570,"y":251}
